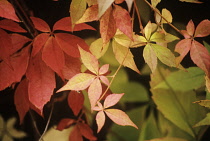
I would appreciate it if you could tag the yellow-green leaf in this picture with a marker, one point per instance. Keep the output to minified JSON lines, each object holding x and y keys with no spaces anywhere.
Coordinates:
{"x":155,"y":2}
{"x":205,"y":121}
{"x":98,"y":49}
{"x":157,"y":37}
{"x":167,"y":15}
{"x":205,"y":103}
{"x":150,"y":57}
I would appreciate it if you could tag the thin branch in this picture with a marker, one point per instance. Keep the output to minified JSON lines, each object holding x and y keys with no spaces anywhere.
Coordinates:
{"x":139,"y":17}
{"x":34,"y":123}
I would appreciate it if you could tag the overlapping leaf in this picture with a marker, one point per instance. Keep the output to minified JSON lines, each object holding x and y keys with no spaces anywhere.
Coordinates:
{"x":11,"y":26}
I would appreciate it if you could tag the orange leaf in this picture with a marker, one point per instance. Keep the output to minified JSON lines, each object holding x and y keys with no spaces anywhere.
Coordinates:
{"x":203,"y":29}
{"x":86,"y":131}
{"x":65,"y":123}
{"x":7,"y":11}
{"x":200,"y":56}
{"x":75,"y":101}
{"x":190,"y":28}
{"x":79,"y":82}
{"x":53,"y":56}
{"x":21,"y":99}
{"x":119,"y":117}
{"x":94,"y":92}
{"x":123,"y":21}
{"x":75,"y":134}
{"x":150,"y":57}
{"x":39,"y":42}
{"x":40,"y":24}
{"x":112,"y":99}
{"x":41,"y":82}
{"x":100,"y":120}
{"x":107,"y":26}
{"x":11,"y":26}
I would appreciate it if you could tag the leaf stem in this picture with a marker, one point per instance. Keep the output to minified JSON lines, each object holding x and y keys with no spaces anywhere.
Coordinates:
{"x":155,"y":10}
{"x":139,"y":17}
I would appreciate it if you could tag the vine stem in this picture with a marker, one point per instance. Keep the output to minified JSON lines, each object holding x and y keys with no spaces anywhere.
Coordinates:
{"x":154,"y":9}
{"x":139,"y":17}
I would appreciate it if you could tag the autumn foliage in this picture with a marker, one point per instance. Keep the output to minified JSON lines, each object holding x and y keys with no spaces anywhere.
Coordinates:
{"x":36,"y":63}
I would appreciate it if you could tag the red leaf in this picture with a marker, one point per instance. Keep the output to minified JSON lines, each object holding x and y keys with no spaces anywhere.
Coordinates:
{"x":65,"y":123}
{"x":190,"y":28}
{"x":75,"y":134}
{"x":86,"y":131}
{"x":112,"y":99}
{"x":119,"y":117}
{"x":107,"y":26}
{"x":53,"y":56}
{"x":18,"y":41}
{"x":200,"y":56}
{"x":203,"y":29}
{"x":21,"y":99}
{"x":104,"y":69}
{"x":68,"y":70}
{"x":41,"y":82}
{"x":11,"y":26}
{"x":19,"y":63}
{"x":7,"y":11}
{"x":94,"y":92}
{"x":123,"y":21}
{"x":66,"y":25}
{"x":69,"y":44}
{"x":39,"y":42}
{"x":100,"y":120}
{"x":40,"y":24}
{"x":182,"y":47}
{"x":75,"y":101}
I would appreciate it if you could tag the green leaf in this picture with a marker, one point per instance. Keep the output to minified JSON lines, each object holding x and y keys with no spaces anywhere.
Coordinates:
{"x":170,"y":38}
{"x":205,"y":121}
{"x":205,"y":103}
{"x":124,"y":56}
{"x":103,"y":5}
{"x":148,"y":30}
{"x":77,"y":9}
{"x":98,"y":49}
{"x":207,"y":46}
{"x":184,"y":81}
{"x":150,"y":57}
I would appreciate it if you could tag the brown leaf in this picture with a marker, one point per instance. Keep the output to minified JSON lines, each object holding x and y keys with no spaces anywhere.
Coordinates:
{"x":75,"y":101}
{"x":40,"y":24}
{"x":75,"y":134}
{"x":11,"y":26}
{"x":65,"y":123}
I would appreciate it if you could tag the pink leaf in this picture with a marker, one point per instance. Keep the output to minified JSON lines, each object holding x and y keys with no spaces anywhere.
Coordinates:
{"x":75,"y":134}
{"x":65,"y":123}
{"x":86,"y":131}
{"x":190,"y":28}
{"x":100,"y":120}
{"x":119,"y":117}
{"x":69,"y":43}
{"x":112,"y":99}
{"x":75,"y":101}
{"x":7,"y":11}
{"x":79,"y":82}
{"x":11,"y":26}
{"x":53,"y":56}
{"x":200,"y":56}
{"x":21,"y":99}
{"x":182,"y":47}
{"x":94,"y":92}
{"x":104,"y":69}
{"x":203,"y":29}
{"x":39,"y":42}
{"x":41,"y":82}
{"x":123,"y":21}
{"x":89,"y":60}
{"x":105,"y":80}
{"x":40,"y":24}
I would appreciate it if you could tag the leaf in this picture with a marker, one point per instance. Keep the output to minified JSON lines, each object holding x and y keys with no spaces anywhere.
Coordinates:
{"x":104,"y":69}
{"x":182,"y":47}
{"x":77,"y":9}
{"x":86,"y":131}
{"x":150,"y":57}
{"x":124,"y":56}
{"x":53,"y":56}
{"x":200,"y":56}
{"x":21,"y":99}
{"x":205,"y":103}
{"x":183,"y":81}
{"x":190,"y":28}
{"x":38,"y":42}
{"x":168,"y":139}
{"x":94,"y":92}
{"x":65,"y":123}
{"x":119,"y":117}
{"x":157,"y":37}
{"x":207,"y":83}
{"x":105,"y":80}
{"x":123,"y":21}
{"x":112,"y":99}
{"x":205,"y":121}
{"x":41,"y":83}
{"x":129,"y":4}
{"x":203,"y":29}
{"x":79,"y":82}
{"x":191,"y":1}
{"x":107,"y":26}
{"x":91,"y":2}
{"x":170,"y":38}
{"x":167,"y":15}
{"x":11,"y":26}
{"x":40,"y":24}
{"x":69,"y":44}
{"x":91,"y":14}
{"x":7,"y":11}
{"x":75,"y":134}
{"x":103,"y":5}
{"x":100,"y":120}
{"x":90,"y":61}
{"x":75,"y":101}
{"x":155,"y":2}
{"x":19,"y":63}
{"x":148,"y":30}
{"x":164,"y":55}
